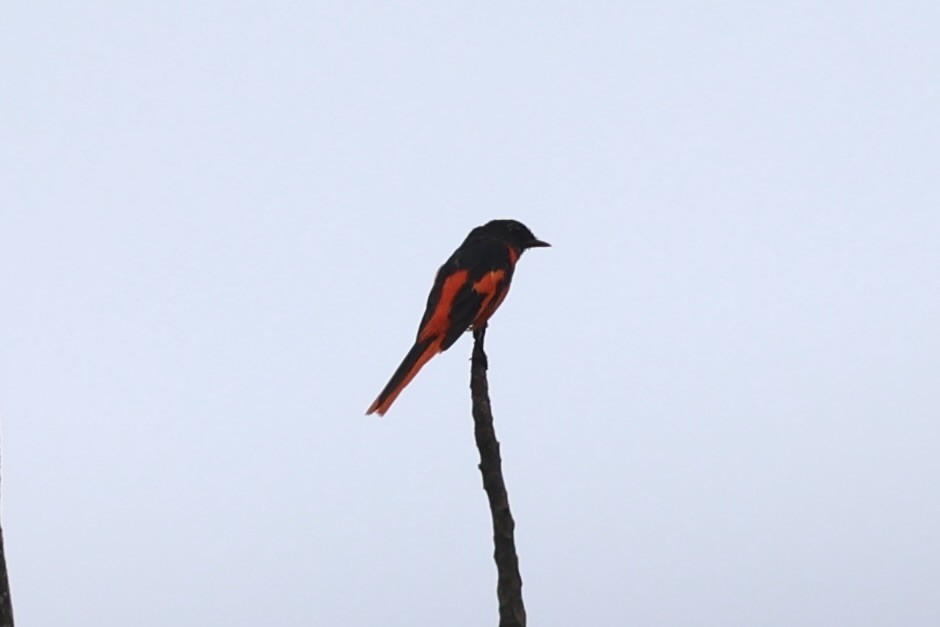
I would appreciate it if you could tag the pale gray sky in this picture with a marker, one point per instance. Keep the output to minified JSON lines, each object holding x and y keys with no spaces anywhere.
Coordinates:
{"x":718,"y":394}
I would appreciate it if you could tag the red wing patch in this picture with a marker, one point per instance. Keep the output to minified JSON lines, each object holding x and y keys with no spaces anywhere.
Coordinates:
{"x":439,"y":321}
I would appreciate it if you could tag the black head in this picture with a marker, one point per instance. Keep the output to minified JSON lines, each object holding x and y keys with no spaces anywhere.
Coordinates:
{"x":510,"y":231}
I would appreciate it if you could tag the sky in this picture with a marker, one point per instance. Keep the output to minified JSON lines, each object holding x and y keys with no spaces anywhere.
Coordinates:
{"x":717,"y":394}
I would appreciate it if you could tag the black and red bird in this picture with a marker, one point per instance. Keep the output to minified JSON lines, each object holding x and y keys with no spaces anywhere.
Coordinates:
{"x":467,"y":290}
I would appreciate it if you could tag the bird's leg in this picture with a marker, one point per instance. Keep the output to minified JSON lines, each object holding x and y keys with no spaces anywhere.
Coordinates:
{"x":478,"y":334}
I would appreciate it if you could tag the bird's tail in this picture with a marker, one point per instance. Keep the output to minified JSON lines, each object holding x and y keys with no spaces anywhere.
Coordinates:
{"x":419,"y":355}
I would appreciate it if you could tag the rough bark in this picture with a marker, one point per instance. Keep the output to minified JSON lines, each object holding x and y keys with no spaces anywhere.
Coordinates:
{"x":509,"y":582}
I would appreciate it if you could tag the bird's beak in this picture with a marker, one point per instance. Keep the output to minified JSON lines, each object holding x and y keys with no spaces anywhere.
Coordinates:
{"x":537,"y":243}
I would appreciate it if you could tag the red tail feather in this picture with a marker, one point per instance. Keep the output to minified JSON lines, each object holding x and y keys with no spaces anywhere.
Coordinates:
{"x":419,"y":355}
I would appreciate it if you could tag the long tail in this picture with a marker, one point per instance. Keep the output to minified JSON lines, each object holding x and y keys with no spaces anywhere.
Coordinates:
{"x":419,"y":355}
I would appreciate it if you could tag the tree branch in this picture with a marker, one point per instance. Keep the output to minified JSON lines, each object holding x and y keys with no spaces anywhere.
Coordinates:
{"x":509,"y":583}
{"x":6,"y":605}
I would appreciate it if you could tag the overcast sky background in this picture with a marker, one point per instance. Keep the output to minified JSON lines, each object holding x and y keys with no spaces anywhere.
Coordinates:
{"x":718,"y":394}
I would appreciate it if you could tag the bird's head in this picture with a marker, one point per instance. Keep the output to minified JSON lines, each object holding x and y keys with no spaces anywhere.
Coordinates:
{"x":512,"y":232}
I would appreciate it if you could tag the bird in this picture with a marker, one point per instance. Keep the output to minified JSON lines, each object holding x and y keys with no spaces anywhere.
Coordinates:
{"x":467,"y":289}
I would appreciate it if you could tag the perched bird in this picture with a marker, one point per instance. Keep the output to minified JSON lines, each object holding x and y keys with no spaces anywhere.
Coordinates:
{"x":467,"y":290}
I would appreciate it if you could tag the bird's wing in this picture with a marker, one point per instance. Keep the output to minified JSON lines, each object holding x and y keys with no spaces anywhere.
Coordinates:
{"x":489,"y":270}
